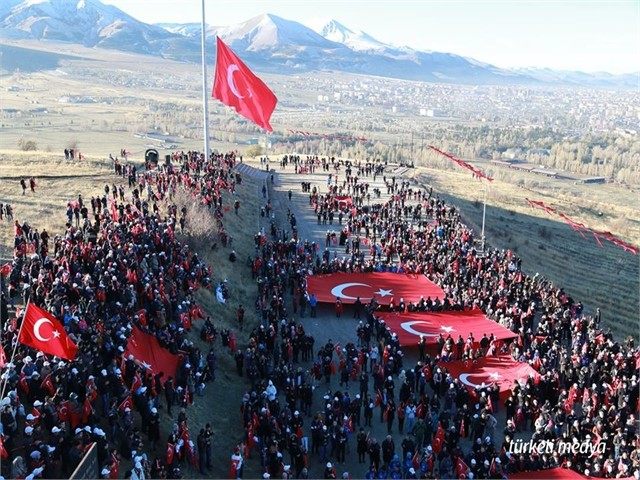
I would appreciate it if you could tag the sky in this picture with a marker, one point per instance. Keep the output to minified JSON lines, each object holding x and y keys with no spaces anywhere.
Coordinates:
{"x":581,"y":35}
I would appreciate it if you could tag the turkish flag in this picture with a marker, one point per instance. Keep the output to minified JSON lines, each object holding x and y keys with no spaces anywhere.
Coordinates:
{"x":502,"y":370}
{"x":557,"y":473}
{"x":461,"y":468}
{"x":344,"y":201}
{"x":410,"y":326}
{"x":147,"y":350}
{"x":126,"y":403}
{"x":171,"y":450}
{"x":63,"y":410}
{"x":438,"y":440}
{"x":238,"y":87}
{"x":383,"y":286}
{"x":44,"y":332}
{"x":47,"y":384}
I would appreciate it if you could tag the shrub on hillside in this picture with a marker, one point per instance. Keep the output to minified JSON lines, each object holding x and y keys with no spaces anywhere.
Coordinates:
{"x":200,"y":223}
{"x":27,"y":145}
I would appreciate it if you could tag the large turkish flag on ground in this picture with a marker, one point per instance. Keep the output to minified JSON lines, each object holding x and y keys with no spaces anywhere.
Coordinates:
{"x":550,"y":474}
{"x":238,"y":87}
{"x":44,"y":332}
{"x":146,"y":349}
{"x":410,"y":326}
{"x":383,"y":286}
{"x":502,"y":370}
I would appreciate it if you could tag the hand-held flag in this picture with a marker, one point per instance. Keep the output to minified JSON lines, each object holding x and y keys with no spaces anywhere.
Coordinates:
{"x":237,"y":86}
{"x":44,"y":332}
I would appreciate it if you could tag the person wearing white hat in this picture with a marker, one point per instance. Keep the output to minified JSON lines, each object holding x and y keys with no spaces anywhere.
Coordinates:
{"x":137,"y":473}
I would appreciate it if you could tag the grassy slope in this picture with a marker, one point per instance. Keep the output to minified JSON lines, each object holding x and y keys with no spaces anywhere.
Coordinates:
{"x":606,"y":277}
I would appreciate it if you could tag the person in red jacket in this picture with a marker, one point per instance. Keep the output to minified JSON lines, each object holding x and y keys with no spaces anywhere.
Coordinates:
{"x":339,"y":307}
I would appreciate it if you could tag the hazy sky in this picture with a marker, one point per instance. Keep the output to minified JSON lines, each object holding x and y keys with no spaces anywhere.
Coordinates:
{"x":576,"y":35}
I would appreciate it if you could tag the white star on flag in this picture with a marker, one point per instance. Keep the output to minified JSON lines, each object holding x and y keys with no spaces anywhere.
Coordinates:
{"x":494,"y":375}
{"x":56,"y":334}
{"x":146,"y":365}
{"x":383,"y":293}
{"x":447,"y":329}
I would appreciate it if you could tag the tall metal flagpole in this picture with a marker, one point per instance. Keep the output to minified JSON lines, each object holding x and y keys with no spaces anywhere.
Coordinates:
{"x":484,"y":214}
{"x":205,"y":86}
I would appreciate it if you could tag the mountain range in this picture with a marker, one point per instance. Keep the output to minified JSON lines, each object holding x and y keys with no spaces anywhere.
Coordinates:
{"x":270,"y":43}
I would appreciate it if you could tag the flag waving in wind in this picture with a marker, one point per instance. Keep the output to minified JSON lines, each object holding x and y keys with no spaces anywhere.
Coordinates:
{"x":237,"y":86}
{"x":44,"y":332}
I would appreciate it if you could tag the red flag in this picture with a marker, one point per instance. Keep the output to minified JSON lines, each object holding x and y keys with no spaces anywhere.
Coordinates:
{"x":438,"y":440}
{"x":47,"y":384}
{"x":410,"y":326}
{"x":461,"y":468}
{"x":350,"y":423}
{"x":88,"y":410}
{"x":416,"y":460}
{"x":463,"y":433}
{"x":3,"y":451}
{"x":171,"y":450}
{"x":127,"y":403}
{"x":502,"y":370}
{"x":383,"y":286}
{"x":147,"y":350}
{"x":238,"y":87}
{"x":23,"y":383}
{"x":63,"y":411}
{"x":136,"y":383}
{"x":44,"y":332}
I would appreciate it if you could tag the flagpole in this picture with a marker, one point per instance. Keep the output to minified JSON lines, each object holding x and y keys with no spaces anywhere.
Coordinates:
{"x":205,"y":86}
{"x":13,"y":354}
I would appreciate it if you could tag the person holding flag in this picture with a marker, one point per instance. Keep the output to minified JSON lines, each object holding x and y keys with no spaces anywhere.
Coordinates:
{"x":42,"y":331}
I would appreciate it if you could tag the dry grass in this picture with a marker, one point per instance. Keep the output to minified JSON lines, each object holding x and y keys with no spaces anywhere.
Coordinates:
{"x":58,"y":181}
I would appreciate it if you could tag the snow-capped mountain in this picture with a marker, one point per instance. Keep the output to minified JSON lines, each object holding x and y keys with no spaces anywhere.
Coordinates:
{"x":267,"y":42}
{"x":87,"y":22}
{"x":355,"y":40}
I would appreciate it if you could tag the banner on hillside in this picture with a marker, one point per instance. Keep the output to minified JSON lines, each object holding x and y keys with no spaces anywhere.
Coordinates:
{"x":501,"y":370}
{"x":411,"y":326}
{"x":383,"y":286}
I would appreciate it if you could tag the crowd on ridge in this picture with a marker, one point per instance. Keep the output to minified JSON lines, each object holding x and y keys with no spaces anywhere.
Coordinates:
{"x":118,"y":266}
{"x":588,"y":390}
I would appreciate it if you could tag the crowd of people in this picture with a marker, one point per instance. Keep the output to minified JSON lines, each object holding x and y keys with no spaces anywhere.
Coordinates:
{"x":587,"y":391}
{"x":118,"y":266}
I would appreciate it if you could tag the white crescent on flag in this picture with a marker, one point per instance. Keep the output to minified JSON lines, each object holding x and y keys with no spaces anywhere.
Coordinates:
{"x":408,"y":327}
{"x":36,"y":329}
{"x":464,"y":379}
{"x":232,"y":86}
{"x":338,"y":290}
